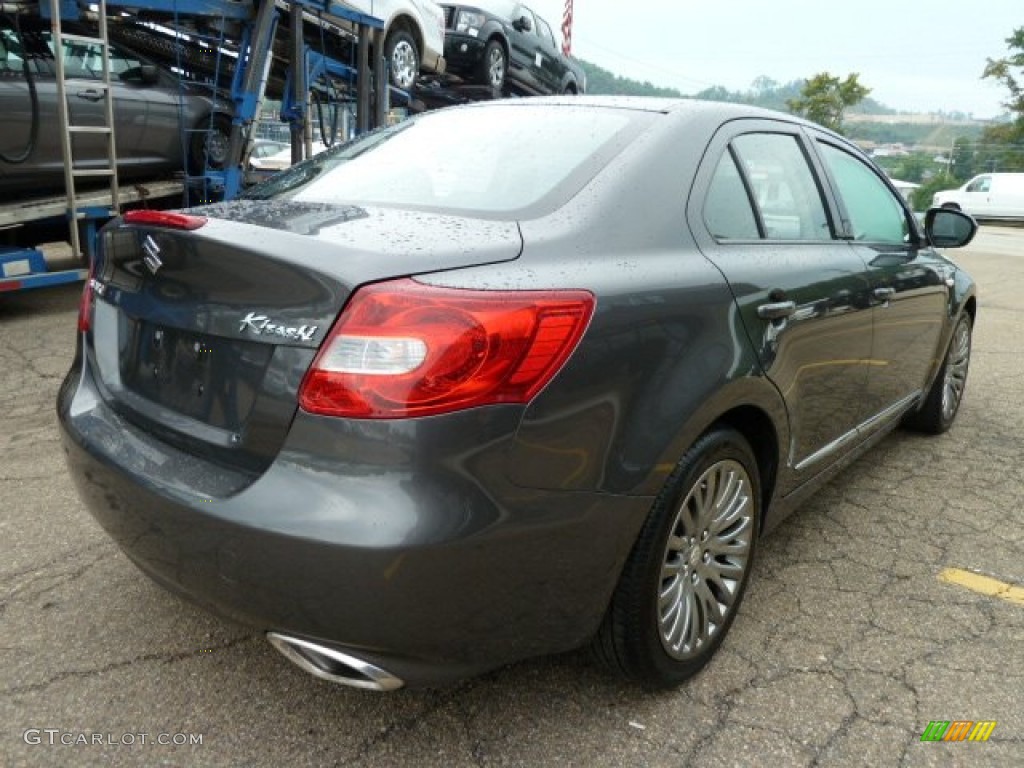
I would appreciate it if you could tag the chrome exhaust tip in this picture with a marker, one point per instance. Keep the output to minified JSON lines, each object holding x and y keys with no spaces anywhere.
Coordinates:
{"x":333,"y":665}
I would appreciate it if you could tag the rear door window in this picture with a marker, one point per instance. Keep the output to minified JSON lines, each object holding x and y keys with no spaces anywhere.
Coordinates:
{"x":10,"y":52}
{"x":784,"y":188}
{"x":32,"y":45}
{"x":764,"y":187}
{"x":727,"y":210}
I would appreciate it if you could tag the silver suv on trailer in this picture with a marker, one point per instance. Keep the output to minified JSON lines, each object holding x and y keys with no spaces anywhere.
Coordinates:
{"x":413,"y":36}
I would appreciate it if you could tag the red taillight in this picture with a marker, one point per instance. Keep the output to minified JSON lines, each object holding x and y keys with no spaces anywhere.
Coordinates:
{"x":87,"y":300}
{"x":164,"y":219}
{"x":403,"y":349}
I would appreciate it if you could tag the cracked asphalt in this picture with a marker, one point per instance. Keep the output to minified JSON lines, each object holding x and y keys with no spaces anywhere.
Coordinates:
{"x":846,"y":646}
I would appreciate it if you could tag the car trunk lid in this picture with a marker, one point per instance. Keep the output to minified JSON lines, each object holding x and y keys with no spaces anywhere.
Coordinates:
{"x":203,"y":336}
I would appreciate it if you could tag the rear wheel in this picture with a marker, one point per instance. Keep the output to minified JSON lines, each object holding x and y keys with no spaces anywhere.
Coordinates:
{"x":943,"y":401}
{"x":403,"y":58}
{"x":685,"y":578}
{"x":493,"y":65}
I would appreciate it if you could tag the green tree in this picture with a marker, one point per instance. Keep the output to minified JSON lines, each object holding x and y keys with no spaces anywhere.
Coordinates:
{"x":1009,"y":70}
{"x":764,"y":84}
{"x":1002,"y":146}
{"x":921,"y":198}
{"x":825,"y":97}
{"x":717,"y":93}
{"x":913,"y":167}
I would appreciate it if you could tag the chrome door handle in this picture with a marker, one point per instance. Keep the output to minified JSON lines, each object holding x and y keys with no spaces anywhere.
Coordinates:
{"x":884,"y":294}
{"x":777,"y":310}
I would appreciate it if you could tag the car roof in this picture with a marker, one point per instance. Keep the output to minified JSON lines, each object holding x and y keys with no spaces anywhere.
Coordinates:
{"x":684,"y":108}
{"x":664,"y":105}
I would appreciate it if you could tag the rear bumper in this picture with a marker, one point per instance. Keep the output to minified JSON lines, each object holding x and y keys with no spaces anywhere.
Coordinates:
{"x":434,"y":62}
{"x":413,"y":553}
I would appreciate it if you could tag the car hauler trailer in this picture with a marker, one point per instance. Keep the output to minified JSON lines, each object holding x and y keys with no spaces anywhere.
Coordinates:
{"x":25,"y":267}
{"x":243,"y":32}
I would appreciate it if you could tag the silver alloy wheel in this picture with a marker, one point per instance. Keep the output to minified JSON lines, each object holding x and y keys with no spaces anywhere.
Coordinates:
{"x":706,"y":557}
{"x":496,"y":66}
{"x":955,"y":377}
{"x":404,"y":66}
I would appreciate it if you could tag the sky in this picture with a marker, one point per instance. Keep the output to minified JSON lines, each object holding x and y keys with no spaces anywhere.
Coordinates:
{"x":915,"y":55}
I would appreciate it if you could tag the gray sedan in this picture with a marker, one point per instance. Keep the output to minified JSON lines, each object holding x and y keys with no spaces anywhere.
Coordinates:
{"x":507,"y":379}
{"x":162,"y":126}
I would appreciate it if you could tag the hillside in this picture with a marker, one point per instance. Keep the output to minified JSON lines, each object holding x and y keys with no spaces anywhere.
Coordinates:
{"x":938,"y":135}
{"x":600,"y":81}
{"x":869,"y":121}
{"x":764,"y":92}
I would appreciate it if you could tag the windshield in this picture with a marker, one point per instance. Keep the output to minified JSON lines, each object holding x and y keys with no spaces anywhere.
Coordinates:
{"x":492,"y":160}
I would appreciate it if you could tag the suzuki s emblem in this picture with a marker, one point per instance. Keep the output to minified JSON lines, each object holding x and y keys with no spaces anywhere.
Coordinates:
{"x":152,"y":254}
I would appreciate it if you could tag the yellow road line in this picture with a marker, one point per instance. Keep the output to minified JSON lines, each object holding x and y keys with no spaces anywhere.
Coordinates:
{"x":983,"y":585}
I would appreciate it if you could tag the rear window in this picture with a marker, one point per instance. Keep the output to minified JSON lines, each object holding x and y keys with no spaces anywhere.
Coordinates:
{"x":496,"y":161}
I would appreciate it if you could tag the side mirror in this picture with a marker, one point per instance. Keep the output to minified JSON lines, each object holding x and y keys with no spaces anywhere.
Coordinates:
{"x":949,"y":228}
{"x":144,"y":74}
{"x":523,"y":24}
{"x":150,"y":74}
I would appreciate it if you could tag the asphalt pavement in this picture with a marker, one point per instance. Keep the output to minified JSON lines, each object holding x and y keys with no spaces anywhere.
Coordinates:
{"x":867,"y":619}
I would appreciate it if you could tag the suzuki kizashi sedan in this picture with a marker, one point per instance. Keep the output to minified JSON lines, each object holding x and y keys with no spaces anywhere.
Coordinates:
{"x":507,"y":379}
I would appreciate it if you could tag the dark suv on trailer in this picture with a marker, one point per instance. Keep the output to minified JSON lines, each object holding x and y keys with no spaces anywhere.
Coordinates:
{"x":508,"y":47}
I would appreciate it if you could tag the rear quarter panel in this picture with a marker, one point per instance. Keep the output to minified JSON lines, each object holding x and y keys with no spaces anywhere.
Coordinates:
{"x":665,"y":354}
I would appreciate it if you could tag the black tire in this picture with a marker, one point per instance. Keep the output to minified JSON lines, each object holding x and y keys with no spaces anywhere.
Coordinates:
{"x":493,"y":67}
{"x":403,"y":58}
{"x":673,"y":569}
{"x":951,"y":206}
{"x":942,"y":403}
{"x":209,"y":144}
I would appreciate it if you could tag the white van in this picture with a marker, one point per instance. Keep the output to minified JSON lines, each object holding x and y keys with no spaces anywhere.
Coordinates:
{"x":989,"y":196}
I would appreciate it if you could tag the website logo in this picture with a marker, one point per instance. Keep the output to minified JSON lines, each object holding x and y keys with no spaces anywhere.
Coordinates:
{"x":958,"y":730}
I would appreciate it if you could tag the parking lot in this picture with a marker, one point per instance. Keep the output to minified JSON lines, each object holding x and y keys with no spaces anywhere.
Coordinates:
{"x":847,"y":646}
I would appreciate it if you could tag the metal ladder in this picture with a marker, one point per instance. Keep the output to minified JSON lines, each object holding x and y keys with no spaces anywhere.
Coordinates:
{"x":75,"y":212}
